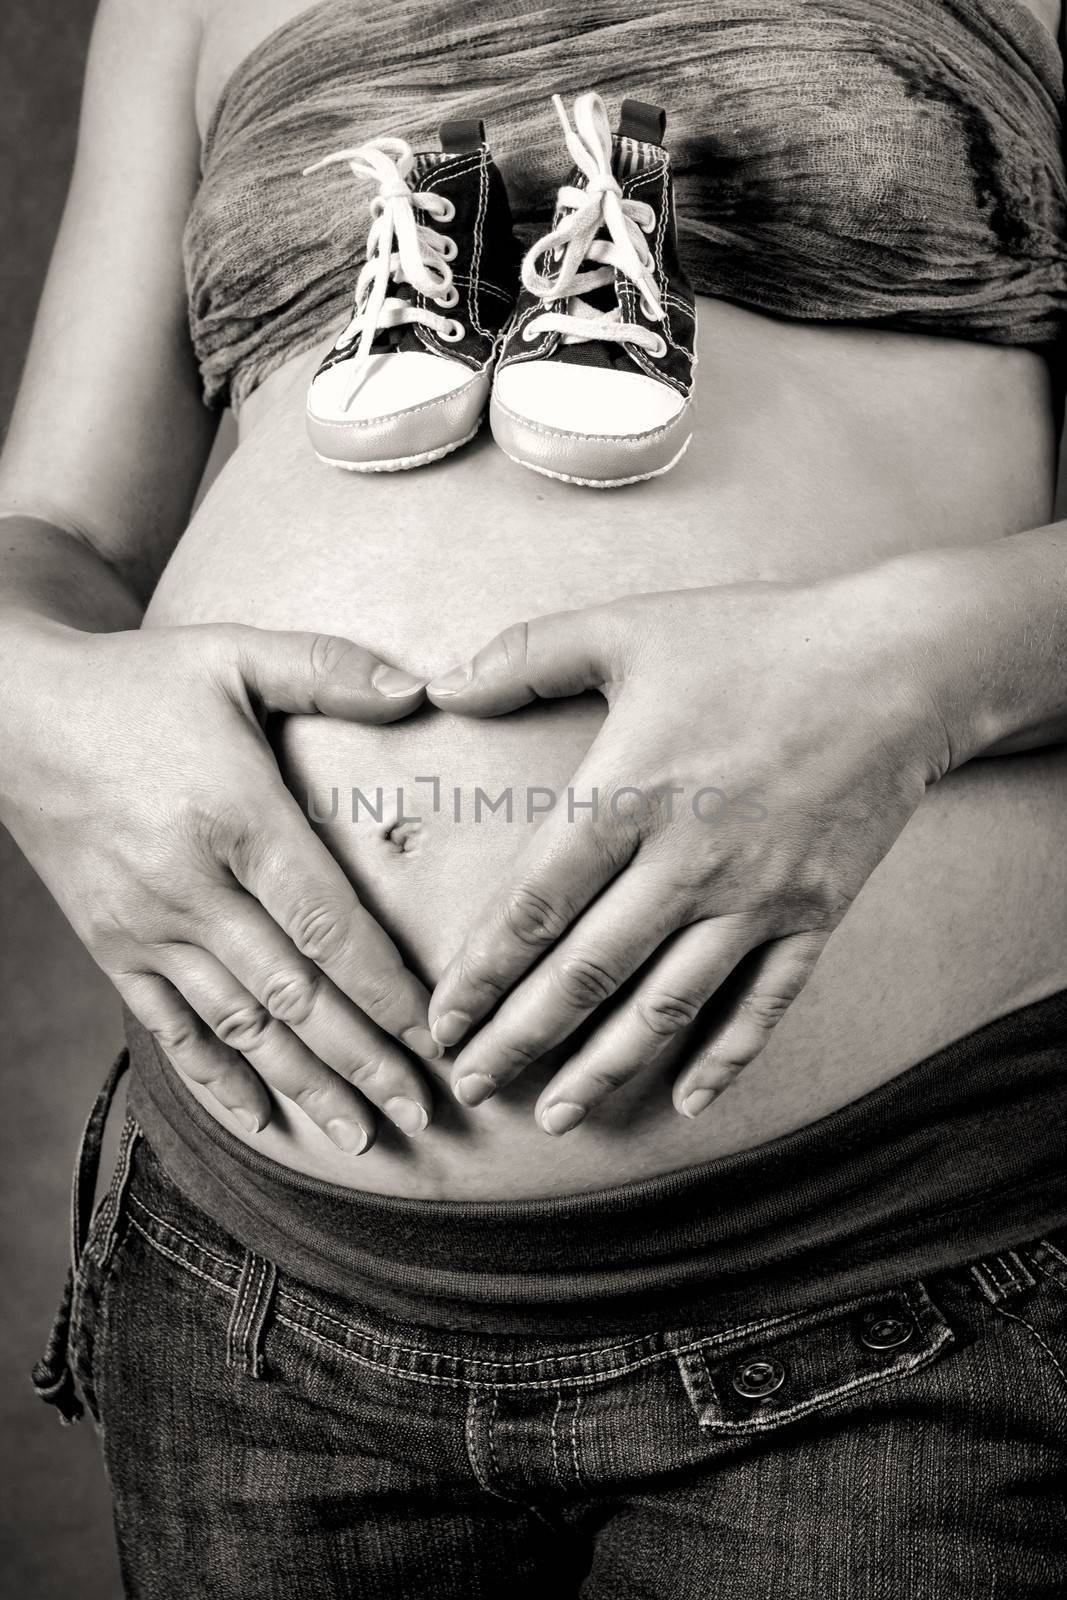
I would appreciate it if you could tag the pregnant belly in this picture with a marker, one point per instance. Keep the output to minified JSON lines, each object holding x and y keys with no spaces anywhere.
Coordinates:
{"x":816,"y":450}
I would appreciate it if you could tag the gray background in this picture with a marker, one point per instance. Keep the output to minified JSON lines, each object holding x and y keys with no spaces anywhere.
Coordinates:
{"x":59,"y":1019}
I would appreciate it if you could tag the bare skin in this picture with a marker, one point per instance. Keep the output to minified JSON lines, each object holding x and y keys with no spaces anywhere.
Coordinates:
{"x":821,"y":454}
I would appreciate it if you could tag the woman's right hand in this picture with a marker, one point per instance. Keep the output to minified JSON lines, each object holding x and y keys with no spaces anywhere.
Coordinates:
{"x":138,"y":782}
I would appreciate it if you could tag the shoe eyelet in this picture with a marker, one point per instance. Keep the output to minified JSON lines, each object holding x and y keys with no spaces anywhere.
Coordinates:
{"x":657,"y":355}
{"x":449,"y":214}
{"x":453,"y":332}
{"x":449,"y":298}
{"x":528,"y":334}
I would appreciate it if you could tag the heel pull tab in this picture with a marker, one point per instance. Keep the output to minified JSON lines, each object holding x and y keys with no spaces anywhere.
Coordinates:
{"x":462,"y":137}
{"x":638,"y":120}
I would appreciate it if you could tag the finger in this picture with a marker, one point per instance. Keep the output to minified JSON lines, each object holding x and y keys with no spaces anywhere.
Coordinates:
{"x":781,"y":970}
{"x":666,"y":999}
{"x":560,"y":654}
{"x":564,"y":867}
{"x":605,"y":947}
{"x":294,"y":877}
{"x":192,"y":1047}
{"x":279,"y":1057}
{"x":299,"y":995}
{"x":318,"y":672}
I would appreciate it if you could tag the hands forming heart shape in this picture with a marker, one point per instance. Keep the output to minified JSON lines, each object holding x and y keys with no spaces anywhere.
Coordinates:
{"x":765,"y":744}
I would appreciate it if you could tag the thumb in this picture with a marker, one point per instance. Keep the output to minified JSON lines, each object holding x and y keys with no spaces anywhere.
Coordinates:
{"x":545,"y":658}
{"x":309,"y":672}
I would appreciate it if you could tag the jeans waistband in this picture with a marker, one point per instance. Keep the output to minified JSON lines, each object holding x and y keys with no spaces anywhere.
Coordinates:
{"x":954,"y":1159}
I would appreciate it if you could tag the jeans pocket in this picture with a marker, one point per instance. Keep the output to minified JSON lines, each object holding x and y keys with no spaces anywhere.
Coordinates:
{"x":750,"y":1380}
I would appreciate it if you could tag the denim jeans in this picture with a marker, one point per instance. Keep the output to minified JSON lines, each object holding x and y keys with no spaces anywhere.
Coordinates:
{"x":267,"y":1439}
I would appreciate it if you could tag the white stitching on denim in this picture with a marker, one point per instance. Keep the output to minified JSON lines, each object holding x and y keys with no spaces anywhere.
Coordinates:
{"x":472,"y":1454}
{"x":797,"y":1321}
{"x":117,"y":1189}
{"x":900,"y":1369}
{"x":494,"y":1463}
{"x":181,"y":1261}
{"x":1001,"y":1274}
{"x":555,"y":1440}
{"x":220,"y":1261}
{"x":985,"y":1284}
{"x":467,"y":1361}
{"x":240,"y":1329}
{"x":1013,"y":1316}
{"x":578,"y":1478}
{"x":233,"y":1346}
{"x":483,"y":1481}
{"x":730,"y":1336}
{"x":1024,"y":1278}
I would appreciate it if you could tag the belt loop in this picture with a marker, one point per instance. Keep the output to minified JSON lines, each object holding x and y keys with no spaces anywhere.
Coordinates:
{"x":52,"y":1377}
{"x":244,"y":1337}
{"x":1000,"y":1276}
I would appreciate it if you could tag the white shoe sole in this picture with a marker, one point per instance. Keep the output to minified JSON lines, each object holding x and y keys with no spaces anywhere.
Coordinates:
{"x":601,"y":483}
{"x":399,"y":463}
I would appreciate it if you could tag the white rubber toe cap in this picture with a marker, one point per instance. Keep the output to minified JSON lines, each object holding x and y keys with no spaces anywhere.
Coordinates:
{"x":589,"y":425}
{"x":410,"y":408}
{"x":587,"y":400}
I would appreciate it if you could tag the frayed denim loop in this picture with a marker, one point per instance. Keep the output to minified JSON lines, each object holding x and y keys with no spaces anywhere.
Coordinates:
{"x":52,"y":1377}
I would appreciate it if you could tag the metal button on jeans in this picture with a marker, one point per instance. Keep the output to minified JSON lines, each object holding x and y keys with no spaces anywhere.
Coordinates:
{"x":881,"y":1330}
{"x":758,"y":1378}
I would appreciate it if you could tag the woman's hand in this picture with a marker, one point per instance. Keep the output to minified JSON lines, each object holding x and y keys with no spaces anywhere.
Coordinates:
{"x":764,"y":746}
{"x":140,"y":785}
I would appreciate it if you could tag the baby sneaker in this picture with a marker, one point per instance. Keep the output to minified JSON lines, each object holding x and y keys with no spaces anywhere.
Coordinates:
{"x":595,"y":380}
{"x":408,"y":379}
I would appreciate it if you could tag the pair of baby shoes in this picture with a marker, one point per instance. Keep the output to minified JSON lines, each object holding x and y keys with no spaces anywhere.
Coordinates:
{"x":583,"y":350}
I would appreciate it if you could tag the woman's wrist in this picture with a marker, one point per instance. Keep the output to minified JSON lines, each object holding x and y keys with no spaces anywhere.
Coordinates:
{"x":978,"y":637}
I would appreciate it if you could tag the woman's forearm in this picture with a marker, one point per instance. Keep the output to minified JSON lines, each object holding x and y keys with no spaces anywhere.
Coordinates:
{"x":50,"y":574}
{"x":984,"y":629}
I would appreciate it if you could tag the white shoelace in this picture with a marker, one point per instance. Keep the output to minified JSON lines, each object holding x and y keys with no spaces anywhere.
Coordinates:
{"x":573,"y":242}
{"x":400,"y":248}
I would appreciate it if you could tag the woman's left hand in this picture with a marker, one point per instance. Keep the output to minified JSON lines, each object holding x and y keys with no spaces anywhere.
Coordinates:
{"x":764,"y":746}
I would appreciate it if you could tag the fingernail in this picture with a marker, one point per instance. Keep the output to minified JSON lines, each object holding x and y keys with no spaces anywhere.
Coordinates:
{"x":562,"y":1117}
{"x":409,"y":1116}
{"x":472,"y":1089}
{"x":450,"y":1028}
{"x":347,"y":1136}
{"x":452,"y":681}
{"x":393,"y":683}
{"x":422,"y":1042}
{"x":248,"y":1119}
{"x":698,"y":1100}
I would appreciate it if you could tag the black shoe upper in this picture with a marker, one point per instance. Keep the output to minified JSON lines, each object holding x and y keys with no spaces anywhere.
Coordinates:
{"x":642,"y":166}
{"x":485,"y":271}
